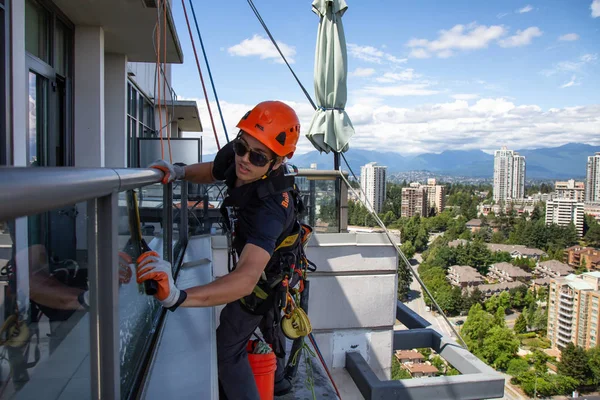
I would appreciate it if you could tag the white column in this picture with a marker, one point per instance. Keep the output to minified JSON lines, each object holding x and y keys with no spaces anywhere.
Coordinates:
{"x":19,"y":101}
{"x":89,"y":96}
{"x":115,"y":110}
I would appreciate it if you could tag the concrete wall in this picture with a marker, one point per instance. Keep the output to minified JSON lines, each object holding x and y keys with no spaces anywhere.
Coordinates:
{"x":352,"y":298}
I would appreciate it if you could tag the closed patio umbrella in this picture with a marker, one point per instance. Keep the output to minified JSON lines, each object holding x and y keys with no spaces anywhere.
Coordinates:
{"x":330,"y":128}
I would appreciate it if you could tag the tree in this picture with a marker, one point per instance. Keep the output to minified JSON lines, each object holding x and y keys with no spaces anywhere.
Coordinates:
{"x":476,"y":328}
{"x":398,"y":372}
{"x":492,"y":304}
{"x":520,"y":324}
{"x":404,"y":280}
{"x":425,"y":351}
{"x":517,"y":367}
{"x":540,"y":360}
{"x":499,"y":317}
{"x":594,"y":364}
{"x":500,"y":346}
{"x":408,"y":249}
{"x":574,"y":363}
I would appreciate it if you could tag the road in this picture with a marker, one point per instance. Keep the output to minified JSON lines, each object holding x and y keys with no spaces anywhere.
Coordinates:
{"x":417,"y":304}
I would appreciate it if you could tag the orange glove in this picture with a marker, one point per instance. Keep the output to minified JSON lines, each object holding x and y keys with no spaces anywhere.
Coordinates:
{"x":172,"y":172}
{"x":151,"y":266}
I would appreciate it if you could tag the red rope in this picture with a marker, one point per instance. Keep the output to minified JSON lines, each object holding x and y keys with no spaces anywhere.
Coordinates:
{"x":200,"y":73}
{"x":312,"y":340}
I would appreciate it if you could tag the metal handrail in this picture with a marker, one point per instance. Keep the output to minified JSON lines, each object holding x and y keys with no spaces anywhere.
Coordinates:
{"x":28,"y":190}
{"x":320,"y":173}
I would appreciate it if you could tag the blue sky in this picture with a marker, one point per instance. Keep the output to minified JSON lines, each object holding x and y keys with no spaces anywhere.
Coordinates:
{"x":425,"y":76}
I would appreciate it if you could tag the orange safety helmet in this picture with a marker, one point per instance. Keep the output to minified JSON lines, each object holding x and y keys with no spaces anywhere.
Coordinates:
{"x":274,"y":124}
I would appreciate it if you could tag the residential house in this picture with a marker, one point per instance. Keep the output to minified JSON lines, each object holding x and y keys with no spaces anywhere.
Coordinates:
{"x":457,"y":242}
{"x":517,"y":250}
{"x":579,"y":256}
{"x":474,"y":225}
{"x":409,"y":356}
{"x":421,"y":370}
{"x":464,"y":276}
{"x":552,"y":269}
{"x":506,"y":272}
{"x":489,"y":290}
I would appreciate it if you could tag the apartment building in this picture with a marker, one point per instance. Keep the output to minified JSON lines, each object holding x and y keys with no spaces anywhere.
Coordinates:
{"x":488,"y":290}
{"x":579,"y":256}
{"x":373,"y":184}
{"x":517,"y":250}
{"x":573,"y":310}
{"x":464,"y":276}
{"x":552,"y":269}
{"x":509,"y":175}
{"x":570,"y":190}
{"x":436,"y":195}
{"x":506,"y":272}
{"x":564,"y":212}
{"x":414,"y":201}
{"x":592,"y":181}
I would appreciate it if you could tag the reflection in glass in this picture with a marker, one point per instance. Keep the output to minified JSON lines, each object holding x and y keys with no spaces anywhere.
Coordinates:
{"x":60,"y":49}
{"x":37,"y":123}
{"x":320,"y":200}
{"x":138,"y":313}
{"x":44,"y":335}
{"x":36,"y":31}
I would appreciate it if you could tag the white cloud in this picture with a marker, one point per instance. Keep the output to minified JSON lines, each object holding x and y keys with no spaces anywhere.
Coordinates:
{"x":569,"y":37}
{"x":465,"y":96}
{"x":362,"y":72}
{"x":522,"y":38}
{"x":525,"y":9}
{"x":372,"y":54}
{"x":459,"y":37}
{"x":572,"y":82}
{"x":595,"y":7}
{"x":412,"y":89}
{"x":262,"y":47}
{"x":406,"y":75}
{"x":570,"y":66}
{"x":502,"y":15}
{"x":419,"y":53}
{"x":486,"y":124}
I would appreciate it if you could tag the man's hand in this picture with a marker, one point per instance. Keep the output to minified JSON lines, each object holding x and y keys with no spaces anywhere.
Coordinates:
{"x":172,"y":172}
{"x":224,"y":158}
{"x":125,"y":263}
{"x":152,"y":267}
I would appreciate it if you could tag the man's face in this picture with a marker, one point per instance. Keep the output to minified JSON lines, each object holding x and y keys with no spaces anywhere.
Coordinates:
{"x":245,"y":170}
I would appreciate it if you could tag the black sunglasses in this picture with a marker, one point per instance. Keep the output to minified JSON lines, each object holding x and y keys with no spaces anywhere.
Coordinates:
{"x":258,"y":159}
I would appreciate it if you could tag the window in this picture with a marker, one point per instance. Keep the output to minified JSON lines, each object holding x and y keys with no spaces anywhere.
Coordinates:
{"x":140,"y":122}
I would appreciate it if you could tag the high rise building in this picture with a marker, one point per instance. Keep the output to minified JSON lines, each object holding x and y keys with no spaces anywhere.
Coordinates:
{"x":563,"y":212}
{"x":372,"y":183}
{"x":509,"y":175}
{"x":436,"y":196}
{"x":570,"y":190}
{"x":573,"y":305}
{"x":414,"y":201}
{"x":592,"y":182}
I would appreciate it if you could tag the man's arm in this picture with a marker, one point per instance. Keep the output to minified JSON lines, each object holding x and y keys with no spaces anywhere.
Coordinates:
{"x":199,"y":173}
{"x":233,"y":286}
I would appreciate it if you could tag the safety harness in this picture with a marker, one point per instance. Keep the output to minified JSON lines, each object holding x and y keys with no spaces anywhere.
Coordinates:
{"x":282,"y":280}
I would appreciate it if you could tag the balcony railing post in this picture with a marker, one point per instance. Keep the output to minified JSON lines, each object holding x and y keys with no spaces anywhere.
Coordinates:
{"x":167,"y":226}
{"x":104,"y":293}
{"x":183,"y":214}
{"x":343,"y":214}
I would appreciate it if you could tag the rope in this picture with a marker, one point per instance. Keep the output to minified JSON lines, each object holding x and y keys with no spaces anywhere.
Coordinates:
{"x":212,"y":122}
{"x":162,"y":150}
{"x":209,"y":73}
{"x":402,"y":256}
{"x":312,"y":103}
{"x":165,"y":78}
{"x":314,"y":343}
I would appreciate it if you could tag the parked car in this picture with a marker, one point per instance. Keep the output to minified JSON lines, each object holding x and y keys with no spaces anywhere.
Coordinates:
{"x":459,"y":322}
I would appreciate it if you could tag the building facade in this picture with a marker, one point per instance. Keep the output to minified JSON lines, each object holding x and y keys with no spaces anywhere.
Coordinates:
{"x":509,"y":175}
{"x":592,"y":181}
{"x":579,"y":256}
{"x":564,"y":212}
{"x":570,"y":190}
{"x":436,"y":196}
{"x":573,"y":310}
{"x":414,"y":201}
{"x":373,"y":184}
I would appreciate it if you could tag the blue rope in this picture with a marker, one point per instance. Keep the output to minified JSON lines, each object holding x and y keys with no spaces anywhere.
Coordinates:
{"x":209,"y":73}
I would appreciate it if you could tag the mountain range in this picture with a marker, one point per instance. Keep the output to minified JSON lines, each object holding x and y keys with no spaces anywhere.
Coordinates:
{"x":563,"y":162}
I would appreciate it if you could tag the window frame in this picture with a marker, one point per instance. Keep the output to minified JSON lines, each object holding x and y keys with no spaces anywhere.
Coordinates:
{"x":138,"y":105}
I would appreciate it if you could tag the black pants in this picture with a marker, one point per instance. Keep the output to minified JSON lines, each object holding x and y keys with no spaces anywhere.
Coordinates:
{"x":236,"y":380}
